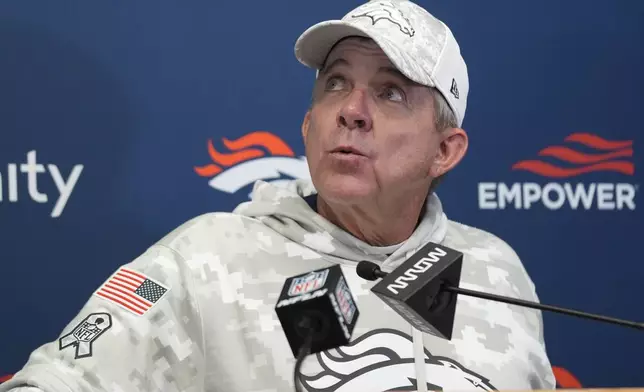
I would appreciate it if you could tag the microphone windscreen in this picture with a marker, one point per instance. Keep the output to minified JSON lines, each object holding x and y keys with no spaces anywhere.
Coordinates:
{"x":414,"y":289}
{"x":367,"y":270}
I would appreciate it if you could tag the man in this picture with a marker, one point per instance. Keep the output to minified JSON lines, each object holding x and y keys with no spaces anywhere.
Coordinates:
{"x":384,"y":124}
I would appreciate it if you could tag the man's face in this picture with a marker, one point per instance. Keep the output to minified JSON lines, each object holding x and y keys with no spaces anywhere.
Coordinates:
{"x":370,"y":131}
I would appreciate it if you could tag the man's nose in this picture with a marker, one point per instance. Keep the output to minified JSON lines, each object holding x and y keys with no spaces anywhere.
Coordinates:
{"x":354,"y":114}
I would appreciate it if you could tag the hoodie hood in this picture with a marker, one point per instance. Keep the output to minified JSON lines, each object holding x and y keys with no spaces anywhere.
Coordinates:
{"x":283,"y":208}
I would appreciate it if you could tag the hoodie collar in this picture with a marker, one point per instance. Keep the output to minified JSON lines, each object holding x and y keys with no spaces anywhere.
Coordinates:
{"x":290,"y":209}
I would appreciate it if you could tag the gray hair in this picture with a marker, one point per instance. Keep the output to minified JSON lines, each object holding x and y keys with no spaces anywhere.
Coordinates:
{"x":444,"y":119}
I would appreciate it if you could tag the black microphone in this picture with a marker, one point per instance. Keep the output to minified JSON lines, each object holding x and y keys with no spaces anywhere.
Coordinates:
{"x":413,"y":289}
{"x":317,"y":312}
{"x":423,"y":291}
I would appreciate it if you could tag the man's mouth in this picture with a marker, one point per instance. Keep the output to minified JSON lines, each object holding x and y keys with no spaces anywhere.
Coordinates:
{"x":346,"y":150}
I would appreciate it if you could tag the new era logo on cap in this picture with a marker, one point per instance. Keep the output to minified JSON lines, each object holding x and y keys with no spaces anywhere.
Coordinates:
{"x":454,"y":89}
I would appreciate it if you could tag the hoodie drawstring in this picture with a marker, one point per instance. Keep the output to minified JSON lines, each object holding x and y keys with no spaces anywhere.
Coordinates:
{"x":419,"y":359}
{"x":419,"y":350}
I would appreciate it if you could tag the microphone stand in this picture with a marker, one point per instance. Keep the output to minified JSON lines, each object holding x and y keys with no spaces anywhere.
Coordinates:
{"x":535,"y":305}
{"x":308,"y":328}
{"x":371,"y":271}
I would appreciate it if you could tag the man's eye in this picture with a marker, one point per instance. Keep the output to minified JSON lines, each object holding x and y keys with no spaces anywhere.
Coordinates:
{"x":334,"y":83}
{"x":393,"y":94}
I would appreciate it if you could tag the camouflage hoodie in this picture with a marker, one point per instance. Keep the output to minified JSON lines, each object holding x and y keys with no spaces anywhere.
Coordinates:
{"x":195,"y":312}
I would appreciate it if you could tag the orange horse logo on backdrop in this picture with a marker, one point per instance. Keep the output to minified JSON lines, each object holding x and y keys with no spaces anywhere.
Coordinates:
{"x":256,"y":156}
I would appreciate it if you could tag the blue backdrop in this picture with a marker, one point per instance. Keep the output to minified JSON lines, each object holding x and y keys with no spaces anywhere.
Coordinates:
{"x":107,"y":109}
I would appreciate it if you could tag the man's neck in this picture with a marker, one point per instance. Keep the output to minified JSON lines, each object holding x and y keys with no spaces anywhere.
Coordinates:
{"x":377,"y":224}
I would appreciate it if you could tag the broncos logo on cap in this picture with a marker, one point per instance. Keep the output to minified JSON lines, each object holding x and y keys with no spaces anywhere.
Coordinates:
{"x":256,"y":156}
{"x":386,"y":11}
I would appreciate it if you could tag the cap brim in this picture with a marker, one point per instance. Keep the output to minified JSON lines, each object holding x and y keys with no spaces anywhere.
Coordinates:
{"x":313,"y":46}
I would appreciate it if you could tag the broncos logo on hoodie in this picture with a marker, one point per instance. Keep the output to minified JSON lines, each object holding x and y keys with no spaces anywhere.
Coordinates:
{"x":383,"y":360}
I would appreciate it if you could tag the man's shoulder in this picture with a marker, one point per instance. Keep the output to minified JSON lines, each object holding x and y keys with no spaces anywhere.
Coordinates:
{"x":491,"y":257}
{"x":479,"y":243}
{"x":212,"y":230}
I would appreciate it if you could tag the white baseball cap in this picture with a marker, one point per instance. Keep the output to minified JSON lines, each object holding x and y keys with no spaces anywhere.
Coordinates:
{"x":421,"y":47}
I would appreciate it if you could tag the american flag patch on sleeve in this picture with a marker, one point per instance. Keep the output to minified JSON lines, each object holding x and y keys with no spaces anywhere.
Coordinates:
{"x":132,"y":291}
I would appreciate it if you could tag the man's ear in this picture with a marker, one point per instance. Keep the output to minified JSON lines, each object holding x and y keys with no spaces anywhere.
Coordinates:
{"x":453,"y":146}
{"x":305,"y":125}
